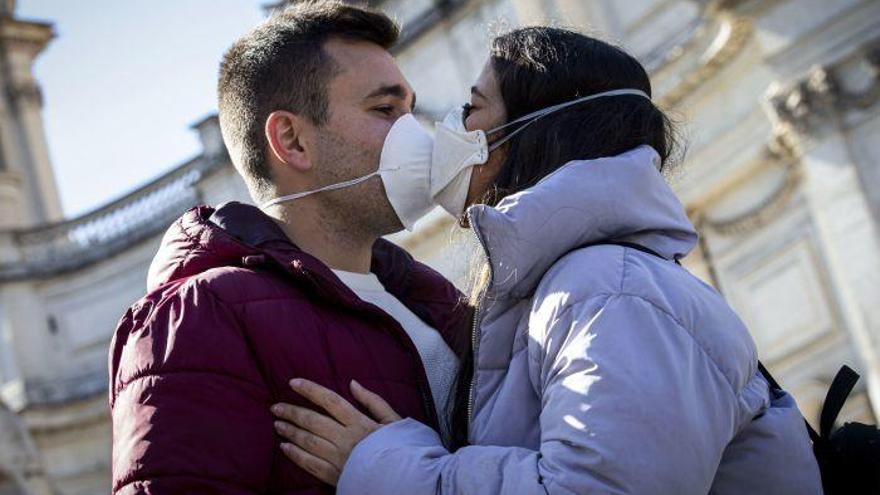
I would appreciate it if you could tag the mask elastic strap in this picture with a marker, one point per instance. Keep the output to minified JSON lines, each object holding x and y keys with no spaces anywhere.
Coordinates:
{"x":538,"y":114}
{"x":331,"y":187}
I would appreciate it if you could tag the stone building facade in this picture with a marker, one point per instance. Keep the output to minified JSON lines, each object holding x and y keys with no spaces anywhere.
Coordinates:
{"x":779,"y":100}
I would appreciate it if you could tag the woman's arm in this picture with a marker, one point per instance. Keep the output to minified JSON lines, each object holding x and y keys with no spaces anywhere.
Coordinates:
{"x":630,"y":404}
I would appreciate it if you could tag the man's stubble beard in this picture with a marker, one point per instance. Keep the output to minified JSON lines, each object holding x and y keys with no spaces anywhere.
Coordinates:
{"x":359,"y":211}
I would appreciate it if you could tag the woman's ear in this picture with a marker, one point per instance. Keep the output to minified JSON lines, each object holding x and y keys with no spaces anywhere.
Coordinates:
{"x":285,"y":136}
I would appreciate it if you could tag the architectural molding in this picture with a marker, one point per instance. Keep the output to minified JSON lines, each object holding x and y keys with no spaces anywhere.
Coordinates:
{"x":731,"y":33}
{"x":777,"y":154}
{"x":746,"y":8}
{"x":766,"y":211}
{"x":27,"y":92}
{"x":819,"y":101}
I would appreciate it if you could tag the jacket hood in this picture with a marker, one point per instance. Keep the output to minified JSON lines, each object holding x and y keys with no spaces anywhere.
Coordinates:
{"x":618,"y":198}
{"x":192,"y":245}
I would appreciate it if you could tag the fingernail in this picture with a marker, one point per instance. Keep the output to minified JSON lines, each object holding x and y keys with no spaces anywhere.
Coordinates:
{"x":279,"y":425}
{"x":296,"y":382}
{"x":355,"y":383}
{"x":276,"y":409}
{"x":285,"y":446}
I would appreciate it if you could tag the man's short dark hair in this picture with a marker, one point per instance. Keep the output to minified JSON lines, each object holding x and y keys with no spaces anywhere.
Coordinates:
{"x":282,"y":65}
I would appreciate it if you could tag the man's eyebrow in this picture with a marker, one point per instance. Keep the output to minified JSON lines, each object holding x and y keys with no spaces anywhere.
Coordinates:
{"x":395,"y":90}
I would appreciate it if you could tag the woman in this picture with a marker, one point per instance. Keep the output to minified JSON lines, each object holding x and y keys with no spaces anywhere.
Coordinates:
{"x":599,"y":364}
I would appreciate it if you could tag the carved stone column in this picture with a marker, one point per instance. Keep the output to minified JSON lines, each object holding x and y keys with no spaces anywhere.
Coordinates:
{"x":23,"y":148}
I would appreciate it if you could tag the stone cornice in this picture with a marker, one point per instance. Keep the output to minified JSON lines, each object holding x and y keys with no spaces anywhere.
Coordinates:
{"x":17,"y":33}
{"x":821,"y":99}
{"x":22,"y":36}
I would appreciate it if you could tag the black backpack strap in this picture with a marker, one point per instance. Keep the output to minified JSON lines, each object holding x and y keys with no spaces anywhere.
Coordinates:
{"x":637,"y":247}
{"x":767,"y":376}
{"x":815,"y":437}
{"x":840,"y":389}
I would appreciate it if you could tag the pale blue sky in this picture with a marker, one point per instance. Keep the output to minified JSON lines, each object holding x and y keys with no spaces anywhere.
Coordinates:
{"x":123,"y":81}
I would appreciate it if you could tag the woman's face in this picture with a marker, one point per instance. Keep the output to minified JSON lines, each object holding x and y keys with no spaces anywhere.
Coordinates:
{"x":486,"y":111}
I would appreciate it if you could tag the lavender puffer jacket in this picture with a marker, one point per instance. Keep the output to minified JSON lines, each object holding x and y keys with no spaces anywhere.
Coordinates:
{"x":600,"y":369}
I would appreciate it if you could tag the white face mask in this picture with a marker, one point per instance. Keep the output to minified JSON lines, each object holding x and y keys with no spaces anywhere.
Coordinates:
{"x":457,"y":151}
{"x":419,"y":171}
{"x":405,"y":168}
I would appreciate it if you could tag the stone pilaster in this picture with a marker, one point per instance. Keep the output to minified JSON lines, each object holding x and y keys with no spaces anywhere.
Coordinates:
{"x":818,"y":116}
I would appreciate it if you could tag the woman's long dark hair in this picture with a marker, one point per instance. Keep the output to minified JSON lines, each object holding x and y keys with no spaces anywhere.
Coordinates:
{"x":537,"y":67}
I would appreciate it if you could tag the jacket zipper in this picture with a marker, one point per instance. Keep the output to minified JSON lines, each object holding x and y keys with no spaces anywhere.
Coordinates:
{"x":475,"y":340}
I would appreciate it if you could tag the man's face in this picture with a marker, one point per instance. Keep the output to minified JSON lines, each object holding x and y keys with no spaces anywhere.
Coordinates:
{"x":365,"y":98}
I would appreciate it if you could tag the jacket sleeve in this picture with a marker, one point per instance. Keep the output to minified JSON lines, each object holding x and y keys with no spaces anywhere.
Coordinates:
{"x":190,"y":410}
{"x":630,"y":404}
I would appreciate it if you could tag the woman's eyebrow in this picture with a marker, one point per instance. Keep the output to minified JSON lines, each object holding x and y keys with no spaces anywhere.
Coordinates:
{"x":476,"y":92}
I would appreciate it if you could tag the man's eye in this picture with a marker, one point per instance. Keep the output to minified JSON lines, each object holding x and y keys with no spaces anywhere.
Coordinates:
{"x":385,"y":110}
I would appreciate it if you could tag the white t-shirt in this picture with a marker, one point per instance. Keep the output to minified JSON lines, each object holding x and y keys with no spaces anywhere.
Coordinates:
{"x":441,"y":364}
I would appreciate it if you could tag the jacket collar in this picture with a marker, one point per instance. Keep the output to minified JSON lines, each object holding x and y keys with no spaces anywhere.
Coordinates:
{"x":238,"y":234}
{"x":619,"y":198}
{"x":249,"y":225}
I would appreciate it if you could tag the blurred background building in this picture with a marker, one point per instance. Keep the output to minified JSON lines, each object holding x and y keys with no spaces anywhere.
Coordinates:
{"x":779,"y":99}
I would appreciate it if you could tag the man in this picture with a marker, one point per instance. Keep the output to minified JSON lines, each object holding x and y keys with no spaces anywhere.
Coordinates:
{"x":241,"y":300}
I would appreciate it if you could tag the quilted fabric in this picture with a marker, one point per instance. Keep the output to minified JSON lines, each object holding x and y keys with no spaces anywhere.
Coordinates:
{"x":233,"y":311}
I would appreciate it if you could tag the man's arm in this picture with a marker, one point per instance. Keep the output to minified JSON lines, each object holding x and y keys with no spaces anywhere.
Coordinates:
{"x":190,"y":408}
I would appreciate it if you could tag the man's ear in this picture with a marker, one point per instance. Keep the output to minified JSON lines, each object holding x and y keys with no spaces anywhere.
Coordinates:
{"x":285,"y":135}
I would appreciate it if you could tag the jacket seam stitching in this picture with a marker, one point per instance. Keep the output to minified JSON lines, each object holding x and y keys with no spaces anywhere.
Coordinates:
{"x":173,"y":275}
{"x":262,"y":299}
{"x":562,"y":314}
{"x":611,"y":294}
{"x":184,"y":230}
{"x":622,"y":292}
{"x":688,"y":332}
{"x":149,"y":321}
{"x":160,"y":374}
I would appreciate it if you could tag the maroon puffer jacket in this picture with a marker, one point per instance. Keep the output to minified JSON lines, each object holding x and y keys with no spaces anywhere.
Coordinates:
{"x":233,"y":312}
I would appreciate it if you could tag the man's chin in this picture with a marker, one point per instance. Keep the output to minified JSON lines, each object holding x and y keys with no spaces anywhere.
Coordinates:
{"x":390,"y":225}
